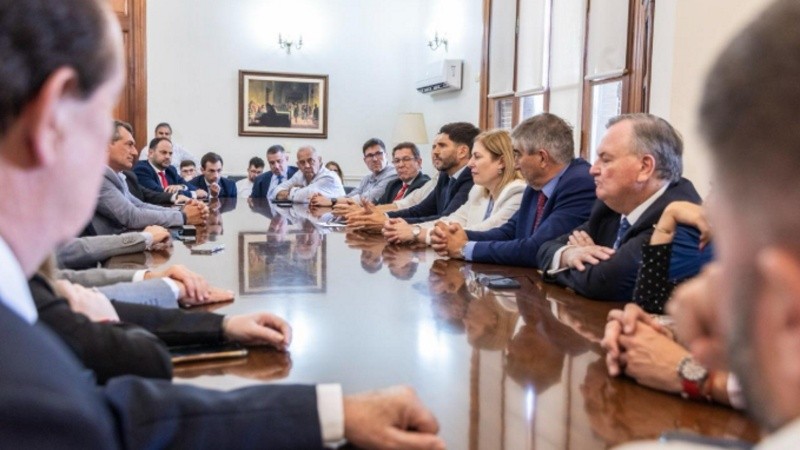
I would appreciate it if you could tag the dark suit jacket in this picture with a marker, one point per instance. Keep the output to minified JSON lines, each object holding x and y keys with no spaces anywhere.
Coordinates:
{"x":436,"y":204}
{"x":50,"y":401}
{"x":227,"y":188}
{"x":106,"y":349}
{"x":615,"y":278}
{"x":261,"y":183}
{"x":149,"y":178}
{"x":144,"y":194}
{"x":512,"y":244}
{"x":394,"y":187}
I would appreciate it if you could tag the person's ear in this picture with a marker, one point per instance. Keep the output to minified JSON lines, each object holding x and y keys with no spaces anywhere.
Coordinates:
{"x":778,"y":308}
{"x":545,"y":155}
{"x":464,"y":152}
{"x":46,"y":117}
{"x":647,"y":168}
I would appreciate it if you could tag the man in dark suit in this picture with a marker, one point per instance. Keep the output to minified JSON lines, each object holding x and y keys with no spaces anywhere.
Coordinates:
{"x":148,"y":195}
{"x":451,"y":152}
{"x":637,"y":173}
{"x":211,"y":180}
{"x":559,"y":197}
{"x":158,"y":174}
{"x":279,"y":171}
{"x":408,"y":164}
{"x":48,"y":399}
{"x":452,"y":149}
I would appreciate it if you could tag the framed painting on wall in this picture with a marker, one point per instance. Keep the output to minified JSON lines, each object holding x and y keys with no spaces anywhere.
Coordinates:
{"x":283,"y":104}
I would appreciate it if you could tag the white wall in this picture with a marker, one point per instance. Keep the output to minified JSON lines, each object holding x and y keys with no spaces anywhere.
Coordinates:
{"x":688,"y":37}
{"x":372,"y":52}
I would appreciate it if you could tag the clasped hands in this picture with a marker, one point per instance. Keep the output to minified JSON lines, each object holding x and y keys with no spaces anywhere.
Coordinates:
{"x":640,"y":346}
{"x":447,"y":239}
{"x":582,"y":250}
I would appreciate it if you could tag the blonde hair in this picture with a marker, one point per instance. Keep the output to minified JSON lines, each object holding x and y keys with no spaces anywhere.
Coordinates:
{"x":498,"y":144}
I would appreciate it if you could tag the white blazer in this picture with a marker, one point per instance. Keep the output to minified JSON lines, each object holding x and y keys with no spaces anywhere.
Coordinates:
{"x":471,"y":214}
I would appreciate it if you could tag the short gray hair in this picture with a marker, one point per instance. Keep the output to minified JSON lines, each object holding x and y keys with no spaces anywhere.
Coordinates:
{"x":547,"y":131}
{"x":656,"y":137}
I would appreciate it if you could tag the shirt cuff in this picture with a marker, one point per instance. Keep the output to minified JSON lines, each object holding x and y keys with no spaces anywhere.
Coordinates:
{"x":468,"y":249}
{"x":176,"y":291}
{"x":139,"y":275}
{"x":330,"y":406}
{"x":735,"y":395}
{"x":556,"y":262}
{"x":148,"y":239}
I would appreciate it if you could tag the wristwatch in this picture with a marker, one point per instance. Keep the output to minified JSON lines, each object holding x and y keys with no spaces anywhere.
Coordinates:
{"x":693,"y":376}
{"x":415,"y":231}
{"x":333,"y":201}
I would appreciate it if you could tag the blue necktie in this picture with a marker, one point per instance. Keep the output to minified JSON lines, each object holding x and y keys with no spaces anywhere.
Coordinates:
{"x":624,"y":225}
{"x":280,"y":179}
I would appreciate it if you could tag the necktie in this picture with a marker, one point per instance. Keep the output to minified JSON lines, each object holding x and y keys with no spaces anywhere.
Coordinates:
{"x":624,"y":225}
{"x":163,"y":178}
{"x":280,"y":179}
{"x":447,"y":193}
{"x":401,"y":192}
{"x":540,"y":202}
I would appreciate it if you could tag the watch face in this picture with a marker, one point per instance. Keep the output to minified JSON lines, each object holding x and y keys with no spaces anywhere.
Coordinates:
{"x":692,"y":371}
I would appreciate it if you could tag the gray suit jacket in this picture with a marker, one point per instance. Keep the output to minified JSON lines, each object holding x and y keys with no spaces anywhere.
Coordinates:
{"x":118,"y":211}
{"x":86,"y":252}
{"x":116,"y":284}
{"x":95,"y":277}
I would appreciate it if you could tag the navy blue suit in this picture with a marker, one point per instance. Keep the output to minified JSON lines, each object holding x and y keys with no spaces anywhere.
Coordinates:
{"x":50,"y":401}
{"x":148,"y":177}
{"x":439,"y":202}
{"x":227,"y":188}
{"x":515,"y":244}
{"x":261,"y":183}
{"x":615,"y":278}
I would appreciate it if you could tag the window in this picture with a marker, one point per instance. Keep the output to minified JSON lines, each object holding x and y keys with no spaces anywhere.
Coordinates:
{"x":583,"y":60}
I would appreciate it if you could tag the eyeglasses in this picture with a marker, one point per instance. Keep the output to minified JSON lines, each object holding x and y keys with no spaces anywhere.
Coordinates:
{"x":406,"y":159}
{"x":377,"y":155}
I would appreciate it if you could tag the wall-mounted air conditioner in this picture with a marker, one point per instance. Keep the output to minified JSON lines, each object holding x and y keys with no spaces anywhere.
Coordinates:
{"x":441,"y":76}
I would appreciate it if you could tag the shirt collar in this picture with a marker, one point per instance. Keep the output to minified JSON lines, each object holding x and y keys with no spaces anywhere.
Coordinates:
{"x":550,"y":186}
{"x":639,"y":210}
{"x":458,"y":172}
{"x":14,"y":290}
{"x":785,"y":437}
{"x":156,"y":168}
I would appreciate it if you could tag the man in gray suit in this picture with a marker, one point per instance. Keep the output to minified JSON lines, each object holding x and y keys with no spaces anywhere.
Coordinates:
{"x":184,"y":287}
{"x":117,"y":210}
{"x":88,"y":251}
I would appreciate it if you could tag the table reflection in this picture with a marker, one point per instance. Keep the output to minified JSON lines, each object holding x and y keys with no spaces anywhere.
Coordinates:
{"x":502,"y":369}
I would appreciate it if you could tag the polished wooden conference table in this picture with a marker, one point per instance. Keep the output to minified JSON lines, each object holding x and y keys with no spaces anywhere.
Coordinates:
{"x":501,"y":369}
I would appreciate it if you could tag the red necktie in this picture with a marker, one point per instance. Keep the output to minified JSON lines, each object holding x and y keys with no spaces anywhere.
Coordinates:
{"x":401,"y":192}
{"x":163,"y":178}
{"x":539,"y":210}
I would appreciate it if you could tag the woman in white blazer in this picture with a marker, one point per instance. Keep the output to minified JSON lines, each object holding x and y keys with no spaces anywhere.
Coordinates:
{"x":495,"y":197}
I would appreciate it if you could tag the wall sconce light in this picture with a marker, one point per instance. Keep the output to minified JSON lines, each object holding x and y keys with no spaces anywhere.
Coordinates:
{"x":437,"y":42}
{"x":287,"y":44}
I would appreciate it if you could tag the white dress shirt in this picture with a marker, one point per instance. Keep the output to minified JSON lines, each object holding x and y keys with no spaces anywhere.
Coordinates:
{"x":325,"y":182}
{"x":14,"y":290}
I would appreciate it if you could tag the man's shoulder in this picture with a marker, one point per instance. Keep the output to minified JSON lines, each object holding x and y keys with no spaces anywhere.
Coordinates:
{"x":198,"y":181}
{"x":576,"y":176}
{"x":682,"y":189}
{"x":143,"y":166}
{"x":291,"y":170}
